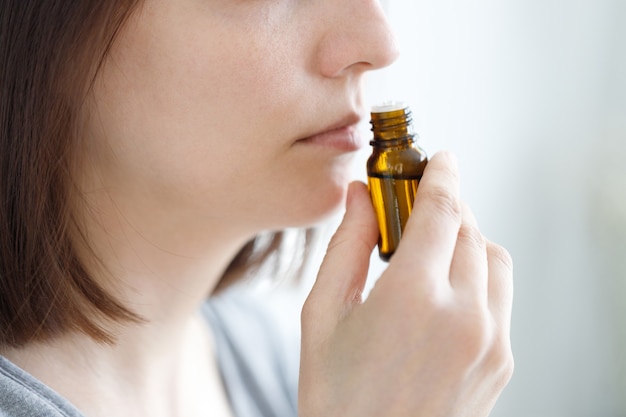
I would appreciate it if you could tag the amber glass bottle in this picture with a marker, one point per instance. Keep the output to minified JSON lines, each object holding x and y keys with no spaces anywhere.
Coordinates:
{"x":394,"y":171}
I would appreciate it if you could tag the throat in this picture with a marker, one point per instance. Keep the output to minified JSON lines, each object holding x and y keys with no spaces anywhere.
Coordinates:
{"x":183,"y":380}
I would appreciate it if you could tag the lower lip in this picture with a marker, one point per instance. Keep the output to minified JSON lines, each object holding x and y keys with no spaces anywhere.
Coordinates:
{"x":345,"y":139}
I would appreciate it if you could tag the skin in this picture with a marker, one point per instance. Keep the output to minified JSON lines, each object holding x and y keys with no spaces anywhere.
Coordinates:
{"x":433,"y":337}
{"x":203,"y":109}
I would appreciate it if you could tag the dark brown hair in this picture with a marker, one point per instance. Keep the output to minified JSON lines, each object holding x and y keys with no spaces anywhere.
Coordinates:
{"x":50,"y":53}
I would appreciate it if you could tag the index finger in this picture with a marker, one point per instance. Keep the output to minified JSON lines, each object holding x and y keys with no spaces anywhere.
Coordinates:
{"x":430,"y":235}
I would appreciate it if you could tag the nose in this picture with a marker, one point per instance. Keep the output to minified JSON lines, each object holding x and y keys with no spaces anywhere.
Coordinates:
{"x":356,"y":37}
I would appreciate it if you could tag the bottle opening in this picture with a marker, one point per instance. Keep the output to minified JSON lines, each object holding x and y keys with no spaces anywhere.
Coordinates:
{"x":389,"y":106}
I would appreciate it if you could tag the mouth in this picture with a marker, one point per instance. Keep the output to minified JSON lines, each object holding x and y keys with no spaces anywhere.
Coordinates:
{"x":342,"y":135}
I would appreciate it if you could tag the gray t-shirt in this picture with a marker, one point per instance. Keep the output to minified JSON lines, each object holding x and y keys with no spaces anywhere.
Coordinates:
{"x":258,"y":362}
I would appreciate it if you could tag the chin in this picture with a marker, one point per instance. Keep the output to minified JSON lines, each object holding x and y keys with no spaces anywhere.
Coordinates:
{"x":307,"y":195}
{"x":320,"y":206}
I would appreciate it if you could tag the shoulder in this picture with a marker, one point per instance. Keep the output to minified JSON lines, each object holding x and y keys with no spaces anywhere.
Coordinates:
{"x":257,"y":341}
{"x":21,"y":395}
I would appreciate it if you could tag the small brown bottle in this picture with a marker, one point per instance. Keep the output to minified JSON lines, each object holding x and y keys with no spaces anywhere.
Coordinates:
{"x":394,"y":171}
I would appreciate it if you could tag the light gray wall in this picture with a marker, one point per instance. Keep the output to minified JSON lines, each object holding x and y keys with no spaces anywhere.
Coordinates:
{"x":531,"y":94}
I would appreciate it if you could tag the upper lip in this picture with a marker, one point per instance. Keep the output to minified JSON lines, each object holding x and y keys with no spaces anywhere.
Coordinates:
{"x":349,"y":120}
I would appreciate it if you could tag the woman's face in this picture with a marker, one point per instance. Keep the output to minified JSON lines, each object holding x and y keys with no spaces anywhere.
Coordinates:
{"x":240,"y":111}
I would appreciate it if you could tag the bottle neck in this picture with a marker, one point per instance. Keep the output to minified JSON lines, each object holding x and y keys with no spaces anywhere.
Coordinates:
{"x":392,"y":128}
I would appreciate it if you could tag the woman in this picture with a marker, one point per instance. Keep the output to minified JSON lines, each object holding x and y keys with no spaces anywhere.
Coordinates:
{"x":145,"y":144}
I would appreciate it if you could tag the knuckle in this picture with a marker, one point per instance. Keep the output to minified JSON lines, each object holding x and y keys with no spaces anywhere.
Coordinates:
{"x":478,"y":334}
{"x":338,"y":241}
{"x":307,"y":314}
{"x":500,"y":356}
{"x":416,"y":302}
{"x":431,"y":299}
{"x":507,"y":370}
{"x":500,"y":255}
{"x":501,"y":361}
{"x":352,"y":240}
{"x":445,"y":202}
{"x":504,"y":372}
{"x":472,"y":237}
{"x":312,"y":311}
{"x":472,"y":334}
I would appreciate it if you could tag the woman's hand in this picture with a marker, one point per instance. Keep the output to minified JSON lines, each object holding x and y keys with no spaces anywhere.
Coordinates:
{"x":432,"y":339}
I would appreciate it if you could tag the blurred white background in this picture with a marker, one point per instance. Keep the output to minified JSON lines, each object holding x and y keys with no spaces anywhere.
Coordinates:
{"x":531,"y":95}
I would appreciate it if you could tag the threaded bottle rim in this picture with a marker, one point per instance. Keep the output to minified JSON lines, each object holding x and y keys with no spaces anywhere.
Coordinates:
{"x":392,"y":123}
{"x":390,"y":114}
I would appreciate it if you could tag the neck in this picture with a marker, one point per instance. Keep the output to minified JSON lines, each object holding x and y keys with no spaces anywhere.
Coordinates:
{"x":160,"y":262}
{"x":170,"y":374}
{"x":161,"y":267}
{"x":162,"y":367}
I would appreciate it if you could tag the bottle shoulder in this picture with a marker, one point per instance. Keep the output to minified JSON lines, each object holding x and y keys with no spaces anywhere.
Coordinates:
{"x":400,"y":161}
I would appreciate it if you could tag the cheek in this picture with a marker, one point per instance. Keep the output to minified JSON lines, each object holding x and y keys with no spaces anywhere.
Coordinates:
{"x":208,"y":124}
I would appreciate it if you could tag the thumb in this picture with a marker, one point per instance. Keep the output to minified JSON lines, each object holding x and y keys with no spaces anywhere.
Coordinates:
{"x":343,"y":272}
